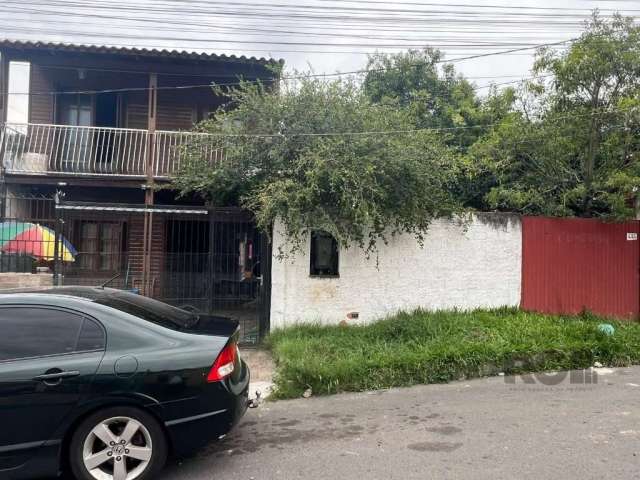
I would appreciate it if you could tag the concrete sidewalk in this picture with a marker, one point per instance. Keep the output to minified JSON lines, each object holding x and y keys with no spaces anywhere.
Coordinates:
{"x":262,"y":370}
{"x":480,"y":429}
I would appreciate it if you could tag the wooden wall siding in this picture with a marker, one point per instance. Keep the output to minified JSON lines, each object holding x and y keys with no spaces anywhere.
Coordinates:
{"x":170,"y":116}
{"x":137,"y":116}
{"x":176,"y":111}
{"x":41,"y":108}
{"x":175,"y":117}
{"x":157,"y":260}
{"x":114,"y":71}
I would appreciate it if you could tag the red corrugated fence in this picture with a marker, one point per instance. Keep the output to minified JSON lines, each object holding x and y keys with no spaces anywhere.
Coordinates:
{"x":570,"y":265}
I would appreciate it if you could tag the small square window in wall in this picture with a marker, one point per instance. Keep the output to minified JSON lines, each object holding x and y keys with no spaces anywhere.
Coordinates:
{"x":324,"y":255}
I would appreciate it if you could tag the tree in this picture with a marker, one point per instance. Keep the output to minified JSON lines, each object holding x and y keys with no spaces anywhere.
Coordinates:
{"x":577,"y":152}
{"x":432,"y":93}
{"x":318,"y":156}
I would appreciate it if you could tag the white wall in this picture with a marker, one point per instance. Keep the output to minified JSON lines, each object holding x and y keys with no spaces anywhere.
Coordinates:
{"x":25,"y":280}
{"x":460,"y":266}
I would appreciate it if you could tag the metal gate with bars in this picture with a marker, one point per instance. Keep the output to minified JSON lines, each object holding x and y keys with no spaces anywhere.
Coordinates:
{"x":210,"y":261}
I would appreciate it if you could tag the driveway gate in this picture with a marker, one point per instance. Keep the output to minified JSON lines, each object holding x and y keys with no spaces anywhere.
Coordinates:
{"x":575,"y":264}
{"x":209,"y":261}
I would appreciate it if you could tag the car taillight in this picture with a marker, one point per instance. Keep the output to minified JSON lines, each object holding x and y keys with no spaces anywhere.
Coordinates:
{"x":224,"y":364}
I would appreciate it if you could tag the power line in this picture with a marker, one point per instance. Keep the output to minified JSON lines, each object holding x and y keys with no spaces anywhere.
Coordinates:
{"x":476,"y":44}
{"x":285,"y":78}
{"x":81,"y":10}
{"x":199,"y":7}
{"x":214,"y":84}
{"x":219,"y":75}
{"x":269,"y":7}
{"x":486,"y":44}
{"x":441,"y":26}
{"x":476,"y":5}
{"x":402,"y":131}
{"x":420,"y":16}
{"x":158,"y":20}
{"x":246,"y":49}
{"x":242,"y":29}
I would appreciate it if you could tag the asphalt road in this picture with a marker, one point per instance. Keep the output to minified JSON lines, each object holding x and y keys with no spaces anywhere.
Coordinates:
{"x":475,"y":429}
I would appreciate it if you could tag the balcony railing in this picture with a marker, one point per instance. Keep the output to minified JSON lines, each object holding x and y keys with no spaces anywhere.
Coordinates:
{"x":40,"y":149}
{"x":170,"y":148}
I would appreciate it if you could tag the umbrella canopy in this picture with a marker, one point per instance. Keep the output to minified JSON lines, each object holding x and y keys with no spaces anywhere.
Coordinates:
{"x":35,"y":240}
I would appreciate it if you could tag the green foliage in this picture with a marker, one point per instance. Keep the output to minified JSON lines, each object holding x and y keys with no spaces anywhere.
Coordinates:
{"x":567,"y":144}
{"x":359,"y":188}
{"x":433,"y":94}
{"x":422,"y":347}
{"x":577,"y":151}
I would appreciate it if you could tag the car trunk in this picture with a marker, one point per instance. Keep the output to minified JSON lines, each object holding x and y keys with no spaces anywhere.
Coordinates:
{"x":215,"y":325}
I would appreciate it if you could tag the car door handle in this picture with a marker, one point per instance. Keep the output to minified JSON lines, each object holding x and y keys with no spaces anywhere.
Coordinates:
{"x":56,"y":376}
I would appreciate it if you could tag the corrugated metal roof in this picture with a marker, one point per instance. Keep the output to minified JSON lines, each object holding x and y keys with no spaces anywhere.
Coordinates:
{"x":144,"y":52}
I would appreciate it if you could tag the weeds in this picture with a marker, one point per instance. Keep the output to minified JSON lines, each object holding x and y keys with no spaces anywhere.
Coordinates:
{"x":434,"y":347}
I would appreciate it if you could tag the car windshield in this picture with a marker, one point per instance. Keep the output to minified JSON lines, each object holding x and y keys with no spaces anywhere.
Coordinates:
{"x":150,"y":310}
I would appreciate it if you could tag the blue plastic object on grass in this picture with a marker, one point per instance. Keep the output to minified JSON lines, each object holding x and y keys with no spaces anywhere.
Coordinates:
{"x":606,"y":328}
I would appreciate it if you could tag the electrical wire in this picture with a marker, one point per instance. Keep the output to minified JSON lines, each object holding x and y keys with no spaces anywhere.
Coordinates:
{"x":471,"y":14}
{"x":274,"y":79}
{"x":403,"y":131}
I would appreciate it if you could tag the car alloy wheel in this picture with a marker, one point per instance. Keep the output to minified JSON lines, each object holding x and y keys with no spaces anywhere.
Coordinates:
{"x":118,"y":448}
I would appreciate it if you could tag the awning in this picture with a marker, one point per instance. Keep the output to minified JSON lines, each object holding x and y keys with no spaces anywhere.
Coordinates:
{"x":133,"y":208}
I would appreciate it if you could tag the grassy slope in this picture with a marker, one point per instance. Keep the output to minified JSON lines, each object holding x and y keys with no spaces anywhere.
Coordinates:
{"x":421,"y":347}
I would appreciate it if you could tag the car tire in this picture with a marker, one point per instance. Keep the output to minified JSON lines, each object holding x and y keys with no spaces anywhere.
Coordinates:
{"x":118,"y":443}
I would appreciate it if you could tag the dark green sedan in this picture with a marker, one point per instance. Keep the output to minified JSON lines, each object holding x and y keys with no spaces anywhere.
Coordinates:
{"x":105,"y":384}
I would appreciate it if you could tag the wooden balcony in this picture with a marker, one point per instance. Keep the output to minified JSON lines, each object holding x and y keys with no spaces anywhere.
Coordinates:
{"x":61,"y":150}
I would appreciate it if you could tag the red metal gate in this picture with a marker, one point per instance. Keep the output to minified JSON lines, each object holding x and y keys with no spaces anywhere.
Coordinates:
{"x":571,"y":265}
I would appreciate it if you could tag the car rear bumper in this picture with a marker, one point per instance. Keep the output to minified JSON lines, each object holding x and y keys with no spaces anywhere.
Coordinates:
{"x":190,"y":433}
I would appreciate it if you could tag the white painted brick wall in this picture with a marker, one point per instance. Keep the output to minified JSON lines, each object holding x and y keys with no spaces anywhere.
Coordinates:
{"x":459,"y":267}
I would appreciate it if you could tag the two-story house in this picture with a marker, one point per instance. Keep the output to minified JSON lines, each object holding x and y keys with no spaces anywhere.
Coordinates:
{"x":103,"y":126}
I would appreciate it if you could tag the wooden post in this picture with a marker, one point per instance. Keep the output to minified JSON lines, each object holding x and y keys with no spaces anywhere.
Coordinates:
{"x":149,"y":193}
{"x":57,"y":252}
{"x":151,"y":127}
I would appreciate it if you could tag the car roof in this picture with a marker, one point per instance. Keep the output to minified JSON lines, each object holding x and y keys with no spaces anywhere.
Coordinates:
{"x":90,"y":294}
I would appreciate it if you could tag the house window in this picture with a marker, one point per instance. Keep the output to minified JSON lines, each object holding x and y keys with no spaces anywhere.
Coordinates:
{"x":324,"y":255}
{"x":100,"y":246}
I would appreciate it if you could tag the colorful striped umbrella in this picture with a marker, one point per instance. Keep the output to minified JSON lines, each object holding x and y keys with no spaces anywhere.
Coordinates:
{"x":35,"y":240}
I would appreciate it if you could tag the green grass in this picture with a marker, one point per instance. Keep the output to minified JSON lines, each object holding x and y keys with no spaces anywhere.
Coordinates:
{"x":435,"y":347}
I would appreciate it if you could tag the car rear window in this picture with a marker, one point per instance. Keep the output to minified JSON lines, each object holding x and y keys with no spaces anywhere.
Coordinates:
{"x":91,"y":337}
{"x":149,"y":310}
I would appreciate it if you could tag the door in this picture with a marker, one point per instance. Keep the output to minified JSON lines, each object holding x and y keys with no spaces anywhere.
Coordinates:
{"x":219,"y":267}
{"x":75,"y":151}
{"x":106,"y":115}
{"x":48,"y":357}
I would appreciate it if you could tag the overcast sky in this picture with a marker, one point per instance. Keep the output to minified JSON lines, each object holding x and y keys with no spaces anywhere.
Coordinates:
{"x":323,"y":35}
